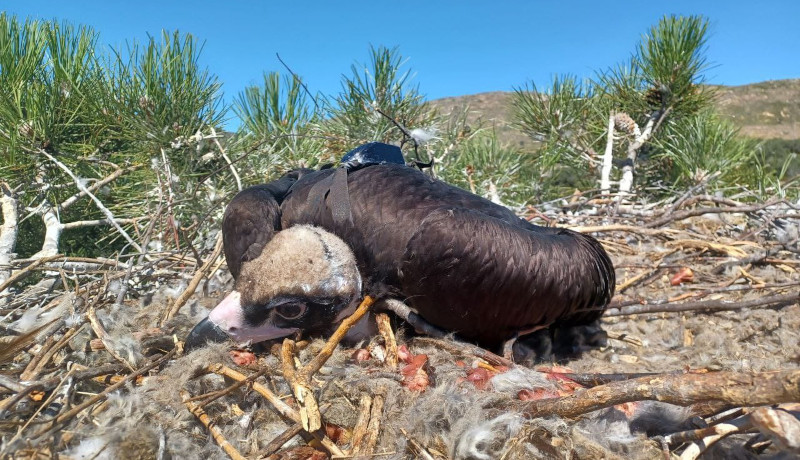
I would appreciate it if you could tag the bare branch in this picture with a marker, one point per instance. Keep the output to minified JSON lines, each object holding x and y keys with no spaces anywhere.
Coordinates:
{"x":706,"y":305}
{"x":734,"y":388}
{"x":653,"y":123}
{"x":94,"y":187}
{"x":227,"y":160}
{"x":100,"y":205}
{"x":52,"y":233}
{"x":8,"y":233}
{"x":95,"y":223}
{"x":605,"y":176}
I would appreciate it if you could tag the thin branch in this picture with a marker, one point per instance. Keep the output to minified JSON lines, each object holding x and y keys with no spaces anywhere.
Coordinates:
{"x":327,"y":350}
{"x":97,"y":222}
{"x":92,"y":188}
{"x":103,"y":209}
{"x":734,"y":388}
{"x":406,"y":134}
{"x":608,"y":157}
{"x":198,"y":276}
{"x":700,"y":211}
{"x":689,"y":193}
{"x":216,"y":433}
{"x":302,"y":83}
{"x":227,"y":160}
{"x":707,"y":305}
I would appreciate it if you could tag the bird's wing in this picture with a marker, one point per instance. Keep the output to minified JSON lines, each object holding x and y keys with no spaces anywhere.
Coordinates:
{"x":251,"y":220}
{"x":487,"y":279}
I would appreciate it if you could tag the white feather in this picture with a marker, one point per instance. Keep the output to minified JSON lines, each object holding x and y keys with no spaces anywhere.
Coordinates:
{"x":423,"y":136}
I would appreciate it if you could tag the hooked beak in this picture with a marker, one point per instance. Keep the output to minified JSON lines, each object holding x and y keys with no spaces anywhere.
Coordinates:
{"x":227,"y":321}
{"x":205,"y":331}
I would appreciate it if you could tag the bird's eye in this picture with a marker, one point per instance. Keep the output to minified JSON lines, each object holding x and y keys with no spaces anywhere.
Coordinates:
{"x":291,"y":310}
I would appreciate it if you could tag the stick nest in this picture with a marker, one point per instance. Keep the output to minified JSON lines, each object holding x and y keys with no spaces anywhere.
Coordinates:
{"x":702,"y":360}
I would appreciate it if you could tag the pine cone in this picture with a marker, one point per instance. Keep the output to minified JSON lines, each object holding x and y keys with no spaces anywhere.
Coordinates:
{"x":657,"y":97}
{"x":623,"y":122}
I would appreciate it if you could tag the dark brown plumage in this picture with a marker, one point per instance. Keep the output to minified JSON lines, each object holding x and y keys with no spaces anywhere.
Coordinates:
{"x":463,"y":263}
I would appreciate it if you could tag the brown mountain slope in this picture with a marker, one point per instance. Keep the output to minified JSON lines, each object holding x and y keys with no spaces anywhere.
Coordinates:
{"x":765,"y":110}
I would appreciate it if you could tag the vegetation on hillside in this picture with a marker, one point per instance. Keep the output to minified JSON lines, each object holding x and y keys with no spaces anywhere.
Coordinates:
{"x":95,"y":141}
{"x":652,"y":117}
{"x":117,"y":159}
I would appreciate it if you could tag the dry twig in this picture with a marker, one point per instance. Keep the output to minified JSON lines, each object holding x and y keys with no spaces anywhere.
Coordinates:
{"x":300,"y":381}
{"x":198,"y":276}
{"x":101,"y":333}
{"x":48,"y":354}
{"x":385,"y":329}
{"x":734,"y":388}
{"x":279,"y":441}
{"x":279,"y":405}
{"x":216,"y":433}
{"x":680,"y":215}
{"x":466,"y":349}
{"x":27,"y":270}
{"x":59,"y":420}
{"x":360,"y":428}
{"x":367,"y":443}
{"x":707,"y":305}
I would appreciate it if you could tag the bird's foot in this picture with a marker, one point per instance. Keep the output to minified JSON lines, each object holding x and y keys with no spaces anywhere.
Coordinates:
{"x":533,"y":348}
{"x":573,"y":340}
{"x":556,"y":343}
{"x":411,"y":317}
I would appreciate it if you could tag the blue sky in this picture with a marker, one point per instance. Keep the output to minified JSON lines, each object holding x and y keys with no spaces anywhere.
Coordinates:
{"x":453,"y":47}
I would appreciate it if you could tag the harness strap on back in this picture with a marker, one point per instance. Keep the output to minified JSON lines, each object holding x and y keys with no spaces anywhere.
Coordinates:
{"x":333,"y":195}
{"x":338,"y":200}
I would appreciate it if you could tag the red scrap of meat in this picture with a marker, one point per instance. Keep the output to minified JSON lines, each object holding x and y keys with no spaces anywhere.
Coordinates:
{"x":684,"y":275}
{"x":535,"y":394}
{"x":361,"y":355}
{"x":479,"y":377}
{"x":335,"y":432}
{"x":480,"y":374}
{"x":242,"y":357}
{"x":628,"y":408}
{"x":564,"y":382}
{"x":403,"y":354}
{"x":554,"y":369}
{"x":415,"y":374}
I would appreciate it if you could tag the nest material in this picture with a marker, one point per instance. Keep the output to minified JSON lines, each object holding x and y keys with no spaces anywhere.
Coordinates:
{"x":469,"y":406}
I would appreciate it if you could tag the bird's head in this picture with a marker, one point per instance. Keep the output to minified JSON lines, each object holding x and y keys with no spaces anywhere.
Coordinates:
{"x":305,"y":279}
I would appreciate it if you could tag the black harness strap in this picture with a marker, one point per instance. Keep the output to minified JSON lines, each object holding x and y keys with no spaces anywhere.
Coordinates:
{"x":333,"y":194}
{"x":338,"y":200}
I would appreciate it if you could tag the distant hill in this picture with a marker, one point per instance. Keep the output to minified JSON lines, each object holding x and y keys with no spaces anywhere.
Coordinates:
{"x":766,"y":110}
